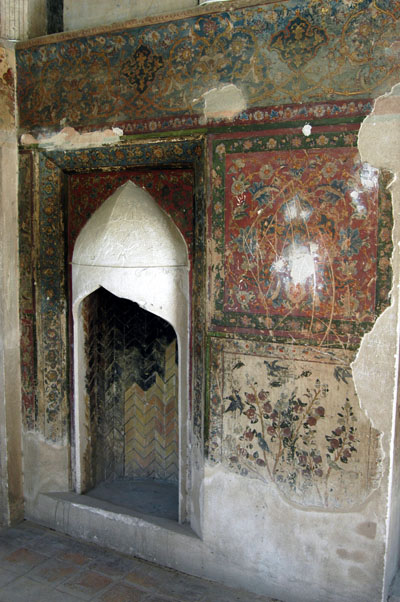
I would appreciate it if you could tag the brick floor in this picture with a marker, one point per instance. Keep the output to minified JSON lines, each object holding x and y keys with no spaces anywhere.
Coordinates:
{"x":39,"y":565}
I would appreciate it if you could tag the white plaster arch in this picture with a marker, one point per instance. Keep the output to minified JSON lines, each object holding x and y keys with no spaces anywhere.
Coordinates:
{"x":132,"y":248}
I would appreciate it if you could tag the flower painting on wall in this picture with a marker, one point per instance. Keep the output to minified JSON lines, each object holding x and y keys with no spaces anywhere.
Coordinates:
{"x":301,"y":231}
{"x":290,"y":415}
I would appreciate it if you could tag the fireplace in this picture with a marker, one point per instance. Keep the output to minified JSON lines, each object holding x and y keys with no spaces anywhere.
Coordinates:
{"x":130,"y":300}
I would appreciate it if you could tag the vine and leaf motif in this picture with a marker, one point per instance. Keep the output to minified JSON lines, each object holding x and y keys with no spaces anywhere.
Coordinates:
{"x":281,"y":54}
{"x":301,"y":238}
{"x":280,"y":435}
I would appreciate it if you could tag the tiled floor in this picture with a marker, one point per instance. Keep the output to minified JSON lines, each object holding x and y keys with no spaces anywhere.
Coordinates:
{"x":39,"y":565}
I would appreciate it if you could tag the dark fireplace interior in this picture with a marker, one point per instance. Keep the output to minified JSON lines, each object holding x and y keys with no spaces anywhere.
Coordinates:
{"x":132,"y":392}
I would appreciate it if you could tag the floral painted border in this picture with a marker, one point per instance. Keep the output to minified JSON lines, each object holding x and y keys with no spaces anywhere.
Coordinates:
{"x":43,"y":257}
{"x":257,"y":117}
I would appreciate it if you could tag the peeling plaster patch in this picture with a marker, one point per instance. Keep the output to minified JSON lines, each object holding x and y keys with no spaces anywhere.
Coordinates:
{"x":307,"y":129}
{"x":380,"y":132}
{"x":28,"y":139}
{"x":46,"y":465}
{"x":70,"y":138}
{"x":298,"y":263}
{"x":374,"y":368}
{"x":356,"y":556}
{"x":367,"y":529}
{"x":225,"y":102}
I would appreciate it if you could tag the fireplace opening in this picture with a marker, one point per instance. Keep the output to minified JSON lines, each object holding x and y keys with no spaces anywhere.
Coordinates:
{"x":131,"y":320}
{"x":132,"y":391}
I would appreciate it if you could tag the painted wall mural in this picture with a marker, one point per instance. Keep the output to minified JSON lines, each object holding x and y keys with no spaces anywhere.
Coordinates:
{"x":301,"y":236}
{"x":50,"y":295}
{"x":290,"y":415}
{"x":298,"y":229}
{"x":27,"y":302}
{"x":53,"y":206}
{"x":287,"y":52}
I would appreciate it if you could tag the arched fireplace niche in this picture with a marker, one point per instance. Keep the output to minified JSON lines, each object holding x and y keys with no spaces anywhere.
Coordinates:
{"x":130,"y":304}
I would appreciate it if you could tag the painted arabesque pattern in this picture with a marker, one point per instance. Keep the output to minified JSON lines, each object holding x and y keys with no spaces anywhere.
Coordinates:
{"x":289,"y":52}
{"x":301,"y":235}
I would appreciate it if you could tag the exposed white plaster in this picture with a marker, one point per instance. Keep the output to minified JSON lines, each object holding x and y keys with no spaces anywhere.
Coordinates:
{"x":224,"y":102}
{"x":376,"y":367}
{"x":307,"y":129}
{"x":130,"y":230}
{"x":298,"y":262}
{"x":46,"y":465}
{"x":378,"y":146}
{"x":379,"y":136}
{"x":69,"y":138}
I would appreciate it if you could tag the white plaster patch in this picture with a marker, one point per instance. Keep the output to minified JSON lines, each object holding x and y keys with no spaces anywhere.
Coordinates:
{"x":307,"y":129}
{"x":225,"y":102}
{"x":299,"y":262}
{"x":380,"y":132}
{"x":378,"y":145}
{"x":68,"y":138}
{"x":130,"y":230}
{"x":357,"y":202}
{"x":369,"y":176}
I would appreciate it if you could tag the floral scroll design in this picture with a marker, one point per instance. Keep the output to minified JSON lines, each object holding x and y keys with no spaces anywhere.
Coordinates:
{"x":302,"y":236}
{"x":280,"y":436}
{"x":299,"y":42}
{"x":290,"y":416}
{"x":141,"y":70}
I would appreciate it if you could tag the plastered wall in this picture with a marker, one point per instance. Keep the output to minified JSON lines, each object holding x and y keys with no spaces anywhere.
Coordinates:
{"x":11,"y":503}
{"x":295,"y":398}
{"x":95,"y":14}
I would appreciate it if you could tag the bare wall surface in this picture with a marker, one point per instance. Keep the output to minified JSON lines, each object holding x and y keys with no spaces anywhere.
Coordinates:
{"x":378,"y":143}
{"x":11,"y":505}
{"x":22,"y":19}
{"x":95,"y":13}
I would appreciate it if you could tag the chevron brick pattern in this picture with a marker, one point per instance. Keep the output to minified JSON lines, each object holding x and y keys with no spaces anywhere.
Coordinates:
{"x":132,"y":390}
{"x":151,"y":433}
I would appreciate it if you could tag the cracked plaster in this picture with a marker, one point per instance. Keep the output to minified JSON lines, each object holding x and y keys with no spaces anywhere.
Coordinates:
{"x":69,"y":138}
{"x":375,"y":369}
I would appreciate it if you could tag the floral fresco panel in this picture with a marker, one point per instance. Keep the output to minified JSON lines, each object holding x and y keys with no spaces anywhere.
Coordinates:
{"x":301,"y":235}
{"x":289,"y":415}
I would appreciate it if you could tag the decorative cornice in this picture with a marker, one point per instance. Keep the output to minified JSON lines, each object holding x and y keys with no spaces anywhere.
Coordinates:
{"x":204,"y":9}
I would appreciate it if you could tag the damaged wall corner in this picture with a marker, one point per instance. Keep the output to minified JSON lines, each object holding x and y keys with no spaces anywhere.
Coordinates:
{"x":70,"y":138}
{"x":223,"y":103}
{"x":375,"y":369}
